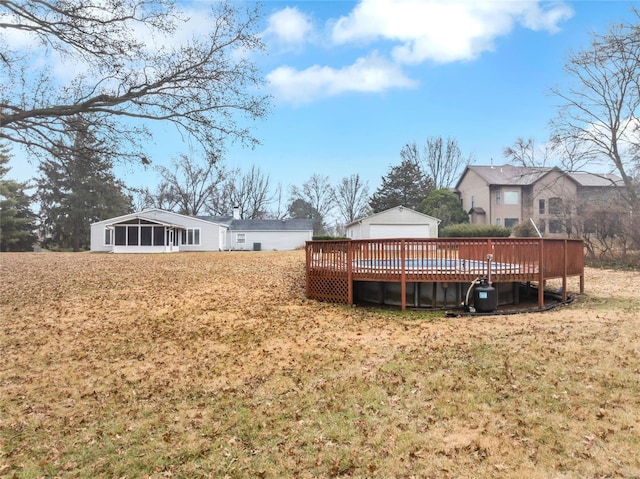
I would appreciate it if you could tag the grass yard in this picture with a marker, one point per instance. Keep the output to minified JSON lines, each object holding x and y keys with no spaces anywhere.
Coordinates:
{"x":198,"y":365}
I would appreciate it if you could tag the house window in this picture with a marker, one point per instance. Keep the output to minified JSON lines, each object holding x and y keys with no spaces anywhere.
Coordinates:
{"x":511,"y":198}
{"x":121,"y":235}
{"x":132,"y":236}
{"x":555,"y":226}
{"x":498,"y":197}
{"x":473,"y":202}
{"x":158,"y":235}
{"x":191,"y":236}
{"x":541,"y":206}
{"x":140,"y":234}
{"x":555,"y":206}
{"x":240,"y":238}
{"x":108,"y":236}
{"x":542,"y":226}
{"x":510,"y":222}
{"x":498,"y":222}
{"x":145,"y":235}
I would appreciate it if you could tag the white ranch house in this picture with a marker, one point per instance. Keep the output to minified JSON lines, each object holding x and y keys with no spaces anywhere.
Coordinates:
{"x":159,"y":231}
{"x":398,"y":222}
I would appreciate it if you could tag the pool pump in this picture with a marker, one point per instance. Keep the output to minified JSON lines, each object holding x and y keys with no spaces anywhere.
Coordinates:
{"x":485,"y":296}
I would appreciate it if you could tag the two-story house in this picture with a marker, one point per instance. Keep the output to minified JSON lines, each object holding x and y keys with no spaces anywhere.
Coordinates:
{"x":506,"y":195}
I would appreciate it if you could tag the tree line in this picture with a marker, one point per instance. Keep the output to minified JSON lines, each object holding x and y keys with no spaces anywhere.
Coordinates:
{"x":77,"y":187}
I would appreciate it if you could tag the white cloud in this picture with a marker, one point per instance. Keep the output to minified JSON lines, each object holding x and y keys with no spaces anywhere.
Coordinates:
{"x":443,"y":31}
{"x":289,"y":27}
{"x":369,"y":74}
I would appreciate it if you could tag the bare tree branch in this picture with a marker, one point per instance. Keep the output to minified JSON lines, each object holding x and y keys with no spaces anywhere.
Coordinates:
{"x":598,"y":120}
{"x":127,"y":82}
{"x":441,"y":161}
{"x":352,"y":198}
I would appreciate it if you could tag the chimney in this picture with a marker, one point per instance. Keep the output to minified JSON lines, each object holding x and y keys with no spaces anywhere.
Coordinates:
{"x":236,"y":212}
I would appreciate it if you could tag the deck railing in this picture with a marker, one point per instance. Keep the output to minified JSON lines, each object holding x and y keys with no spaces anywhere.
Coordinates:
{"x":332,"y":266}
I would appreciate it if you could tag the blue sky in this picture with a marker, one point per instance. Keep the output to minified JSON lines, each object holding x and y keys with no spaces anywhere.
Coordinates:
{"x":353,"y":82}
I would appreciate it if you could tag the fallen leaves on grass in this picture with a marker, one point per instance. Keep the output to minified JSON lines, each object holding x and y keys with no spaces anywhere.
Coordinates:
{"x":215,"y":364}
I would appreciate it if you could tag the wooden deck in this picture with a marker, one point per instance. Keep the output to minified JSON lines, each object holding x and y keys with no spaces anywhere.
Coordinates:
{"x":333,"y":266}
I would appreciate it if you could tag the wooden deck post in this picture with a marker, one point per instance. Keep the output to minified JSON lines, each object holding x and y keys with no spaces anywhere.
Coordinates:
{"x":541,"y":274}
{"x":564,"y":273}
{"x":308,"y":246}
{"x":350,"y":272}
{"x":403,"y":275}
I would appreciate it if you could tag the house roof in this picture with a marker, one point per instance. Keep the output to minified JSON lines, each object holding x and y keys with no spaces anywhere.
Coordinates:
{"x":167,"y":218}
{"x":293,"y":224}
{"x":401,"y":207}
{"x":525,"y":176}
{"x":590,"y":179}
{"x":221,"y":220}
{"x":272,"y":225}
{"x":507,"y":174}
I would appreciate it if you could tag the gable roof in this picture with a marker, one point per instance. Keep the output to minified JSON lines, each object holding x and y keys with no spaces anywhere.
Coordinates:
{"x":167,"y":218}
{"x":507,"y":174}
{"x":400,"y":207}
{"x":525,"y":176}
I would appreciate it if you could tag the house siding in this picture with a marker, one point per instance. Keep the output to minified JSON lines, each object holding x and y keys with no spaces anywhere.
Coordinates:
{"x":554,"y":185}
{"x":269,"y":240}
{"x":502,"y":211}
{"x":473,"y":186}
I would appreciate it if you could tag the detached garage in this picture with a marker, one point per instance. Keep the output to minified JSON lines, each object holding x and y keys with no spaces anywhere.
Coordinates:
{"x":398,"y":222}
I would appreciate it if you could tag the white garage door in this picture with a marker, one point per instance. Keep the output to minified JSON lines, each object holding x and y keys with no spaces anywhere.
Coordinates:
{"x":399,"y":231}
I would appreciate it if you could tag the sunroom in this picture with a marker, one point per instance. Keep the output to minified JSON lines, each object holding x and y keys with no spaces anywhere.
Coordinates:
{"x":138,"y":235}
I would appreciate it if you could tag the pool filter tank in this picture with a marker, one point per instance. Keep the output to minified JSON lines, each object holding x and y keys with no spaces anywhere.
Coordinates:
{"x":485,"y":297}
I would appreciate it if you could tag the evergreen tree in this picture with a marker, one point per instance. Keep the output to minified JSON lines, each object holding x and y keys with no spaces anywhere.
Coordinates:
{"x":17,"y":220}
{"x":77,"y":188}
{"x":302,"y":209}
{"x":444,"y":205}
{"x":405,"y":184}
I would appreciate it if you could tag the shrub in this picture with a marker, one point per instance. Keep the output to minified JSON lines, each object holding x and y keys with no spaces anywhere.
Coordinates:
{"x":475,"y":231}
{"x":524,"y":229}
{"x":328,"y":237}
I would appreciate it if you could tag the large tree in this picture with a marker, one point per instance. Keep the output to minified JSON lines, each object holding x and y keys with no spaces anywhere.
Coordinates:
{"x":250,"y":192}
{"x":352,"y":198}
{"x":405,"y":184}
{"x":598,"y":119}
{"x":442,"y":160}
{"x":189,"y":184}
{"x":17,"y":219}
{"x":318,"y":194}
{"x":444,"y":205}
{"x":77,"y":188}
{"x":301,"y":209}
{"x":126,"y":65}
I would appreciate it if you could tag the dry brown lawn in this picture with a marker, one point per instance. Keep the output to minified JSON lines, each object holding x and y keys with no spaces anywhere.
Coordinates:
{"x":216,"y":365}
